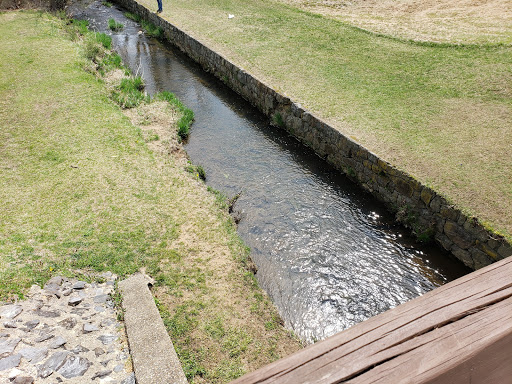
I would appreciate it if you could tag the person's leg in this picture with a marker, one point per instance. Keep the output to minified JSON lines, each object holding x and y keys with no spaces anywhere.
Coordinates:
{"x":159,"y":5}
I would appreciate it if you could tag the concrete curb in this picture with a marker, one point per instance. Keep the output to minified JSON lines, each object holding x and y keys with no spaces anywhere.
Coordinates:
{"x":153,"y":355}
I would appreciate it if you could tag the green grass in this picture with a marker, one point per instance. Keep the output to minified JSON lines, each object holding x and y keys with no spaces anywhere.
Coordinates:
{"x":130,"y":93}
{"x":104,"y":39}
{"x":441,"y":112}
{"x":114,"y":25}
{"x":83,"y":192}
{"x":186,"y":119}
{"x":150,"y":29}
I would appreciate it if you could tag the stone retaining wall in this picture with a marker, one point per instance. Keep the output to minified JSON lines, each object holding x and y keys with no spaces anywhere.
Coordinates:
{"x":418,"y":207}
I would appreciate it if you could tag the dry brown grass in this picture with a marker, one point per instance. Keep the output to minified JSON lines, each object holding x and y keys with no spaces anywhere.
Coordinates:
{"x":447,"y":21}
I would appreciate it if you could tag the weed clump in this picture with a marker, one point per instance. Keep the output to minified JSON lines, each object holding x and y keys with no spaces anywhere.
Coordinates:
{"x":132,"y":16}
{"x":187,"y":114}
{"x":130,"y":93}
{"x":104,"y":40}
{"x":114,"y":25}
{"x":278,"y":119}
{"x":150,"y":28}
{"x":197,"y":170}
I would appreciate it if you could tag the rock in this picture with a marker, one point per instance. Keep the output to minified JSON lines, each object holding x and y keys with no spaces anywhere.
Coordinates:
{"x":44,"y":337}
{"x":58,"y":342}
{"x":79,"y":285}
{"x":130,"y":379}
{"x":101,"y":374}
{"x":107,"y":339}
{"x":106,"y":323}
{"x":505,"y":250}
{"x":106,"y":275}
{"x":79,"y":311}
{"x":118,"y":368}
{"x":75,"y":300}
{"x":105,"y":363}
{"x":99,"y":309}
{"x":51,"y":314}
{"x":10,"y":311}
{"x":80,"y":349}
{"x":100,"y":299}
{"x":7,"y":345}
{"x":68,"y":323}
{"x":34,"y":355}
{"x":53,"y":289}
{"x":10,"y":362}
{"x":23,"y":380}
{"x":67,"y":292}
{"x":52,"y":364}
{"x":10,"y":324}
{"x":98,"y":351}
{"x":107,"y":380}
{"x":55,"y":280}
{"x":13,"y":373}
{"x":88,"y":327}
{"x":32,"y":324}
{"x":74,"y":366}
{"x":121,"y":357}
{"x":457,"y":235}
{"x":426,"y":195}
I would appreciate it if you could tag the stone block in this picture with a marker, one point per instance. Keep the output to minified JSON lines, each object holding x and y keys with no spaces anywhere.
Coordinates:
{"x":481,"y":259}
{"x":493,"y":243}
{"x":373,"y":158}
{"x":444,"y":241}
{"x":449,"y":213}
{"x":403,"y":187}
{"x":489,"y":251}
{"x":440,"y":224}
{"x":375,"y":167}
{"x":435,"y":203}
{"x":457,"y":234}
{"x":505,"y":250}
{"x":463,"y":256}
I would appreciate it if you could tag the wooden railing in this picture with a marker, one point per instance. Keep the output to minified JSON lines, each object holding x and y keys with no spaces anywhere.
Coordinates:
{"x":458,"y":333}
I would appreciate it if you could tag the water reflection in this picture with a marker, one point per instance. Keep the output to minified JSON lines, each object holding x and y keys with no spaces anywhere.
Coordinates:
{"x":328,"y":254}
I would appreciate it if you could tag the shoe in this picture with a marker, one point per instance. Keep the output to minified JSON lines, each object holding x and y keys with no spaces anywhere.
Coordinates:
{"x":159,"y":11}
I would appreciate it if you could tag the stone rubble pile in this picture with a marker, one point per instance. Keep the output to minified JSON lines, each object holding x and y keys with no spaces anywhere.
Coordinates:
{"x":67,"y":332}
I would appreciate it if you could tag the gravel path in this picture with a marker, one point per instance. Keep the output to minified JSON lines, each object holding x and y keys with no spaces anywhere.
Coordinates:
{"x":67,"y":332}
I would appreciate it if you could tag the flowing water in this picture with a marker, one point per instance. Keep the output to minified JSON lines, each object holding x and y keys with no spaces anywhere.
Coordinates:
{"x":327,"y":253}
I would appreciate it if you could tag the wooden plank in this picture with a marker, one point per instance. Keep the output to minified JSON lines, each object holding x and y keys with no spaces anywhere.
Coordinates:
{"x":466,"y":351}
{"x":394,"y":333}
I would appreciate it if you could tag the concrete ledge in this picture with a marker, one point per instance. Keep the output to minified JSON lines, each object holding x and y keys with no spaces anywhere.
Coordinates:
{"x":153,"y":355}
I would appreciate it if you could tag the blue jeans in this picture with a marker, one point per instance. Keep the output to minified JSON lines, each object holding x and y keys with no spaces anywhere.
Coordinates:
{"x":159,"y":5}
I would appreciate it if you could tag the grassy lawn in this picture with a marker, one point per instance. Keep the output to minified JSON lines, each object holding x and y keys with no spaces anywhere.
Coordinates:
{"x":441,"y":112}
{"x":447,"y":21}
{"x":86,"y":187}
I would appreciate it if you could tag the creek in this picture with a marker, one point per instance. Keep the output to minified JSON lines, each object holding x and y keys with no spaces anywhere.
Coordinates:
{"x":328,"y":254}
